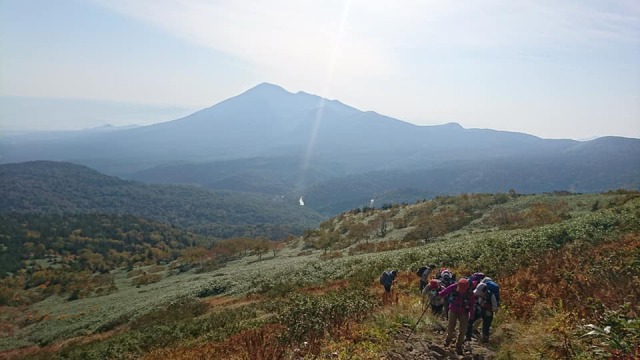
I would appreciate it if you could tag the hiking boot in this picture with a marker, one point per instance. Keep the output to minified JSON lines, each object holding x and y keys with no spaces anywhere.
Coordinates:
{"x":459,"y":350}
{"x":485,"y":339}
{"x":447,"y":343}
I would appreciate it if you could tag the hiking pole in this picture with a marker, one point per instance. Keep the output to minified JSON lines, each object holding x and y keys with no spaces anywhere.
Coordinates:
{"x":414,"y":326}
{"x":425,"y":297}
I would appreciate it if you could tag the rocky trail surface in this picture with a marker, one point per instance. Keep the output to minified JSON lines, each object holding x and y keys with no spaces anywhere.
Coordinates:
{"x":412,"y":346}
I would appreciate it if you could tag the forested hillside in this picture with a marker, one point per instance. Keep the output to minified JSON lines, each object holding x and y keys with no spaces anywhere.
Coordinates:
{"x":590,"y":168}
{"x":62,"y":188}
{"x":75,"y":255}
{"x":98,"y":243}
{"x":566,"y":263}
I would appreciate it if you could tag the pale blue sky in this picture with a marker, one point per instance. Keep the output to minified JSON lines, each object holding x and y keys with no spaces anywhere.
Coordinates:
{"x":555,"y":69}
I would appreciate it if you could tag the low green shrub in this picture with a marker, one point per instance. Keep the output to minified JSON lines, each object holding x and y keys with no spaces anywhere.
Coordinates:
{"x":616,"y":335}
{"x":308,"y":319}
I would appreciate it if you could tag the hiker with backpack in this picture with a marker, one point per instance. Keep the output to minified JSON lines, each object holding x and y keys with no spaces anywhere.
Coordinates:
{"x":387,"y":279}
{"x":446,"y":276}
{"x":461,"y":300}
{"x":424,"y":273}
{"x":487,"y":295}
{"x":435,"y":300}
{"x":476,"y":277}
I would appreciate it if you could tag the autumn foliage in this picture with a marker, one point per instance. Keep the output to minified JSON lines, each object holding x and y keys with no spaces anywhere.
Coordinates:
{"x":580,"y":279}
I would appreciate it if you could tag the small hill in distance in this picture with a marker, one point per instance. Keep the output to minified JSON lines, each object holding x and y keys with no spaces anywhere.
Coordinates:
{"x":47,"y":187}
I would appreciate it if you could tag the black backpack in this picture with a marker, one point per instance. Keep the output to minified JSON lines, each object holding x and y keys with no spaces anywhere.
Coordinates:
{"x":421,"y":271}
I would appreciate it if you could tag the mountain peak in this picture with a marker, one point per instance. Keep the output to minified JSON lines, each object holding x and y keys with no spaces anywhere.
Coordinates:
{"x":453,"y":125}
{"x":267,"y":87}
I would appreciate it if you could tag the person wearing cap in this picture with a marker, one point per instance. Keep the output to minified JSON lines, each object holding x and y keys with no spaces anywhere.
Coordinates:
{"x":485,"y":306}
{"x":436,"y":301}
{"x":461,"y":310}
{"x":446,"y":276}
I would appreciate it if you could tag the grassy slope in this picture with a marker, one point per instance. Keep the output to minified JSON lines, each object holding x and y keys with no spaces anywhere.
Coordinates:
{"x":496,"y":252}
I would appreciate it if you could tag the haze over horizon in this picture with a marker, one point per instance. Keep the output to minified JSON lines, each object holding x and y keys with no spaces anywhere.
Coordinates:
{"x":554,"y":70}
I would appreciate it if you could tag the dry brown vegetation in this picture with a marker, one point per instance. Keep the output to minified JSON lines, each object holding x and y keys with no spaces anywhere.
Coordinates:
{"x":580,"y":279}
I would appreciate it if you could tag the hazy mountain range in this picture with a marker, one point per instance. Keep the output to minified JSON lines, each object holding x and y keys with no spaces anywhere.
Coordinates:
{"x":22,"y":113}
{"x":268,"y":140}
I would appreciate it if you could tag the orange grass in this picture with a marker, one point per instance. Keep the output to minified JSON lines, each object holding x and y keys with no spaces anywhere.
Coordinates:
{"x":579,"y":279}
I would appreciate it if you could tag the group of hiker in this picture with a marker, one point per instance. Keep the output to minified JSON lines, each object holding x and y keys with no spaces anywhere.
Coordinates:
{"x":469,"y":299}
